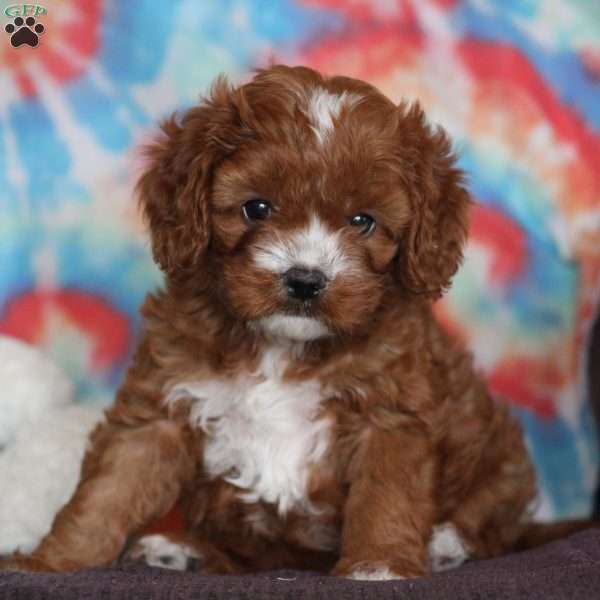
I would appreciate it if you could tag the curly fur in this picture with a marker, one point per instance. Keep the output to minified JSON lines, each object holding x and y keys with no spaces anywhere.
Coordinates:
{"x":339,"y":449}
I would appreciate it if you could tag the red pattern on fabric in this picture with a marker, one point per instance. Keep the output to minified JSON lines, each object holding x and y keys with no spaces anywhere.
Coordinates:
{"x":591,"y":61}
{"x":524,"y":382}
{"x":446,"y":4}
{"x":493,"y":229}
{"x":368,"y":55}
{"x":71,"y":38}
{"x":502,"y":63}
{"x":364,"y":11}
{"x":26,"y":315}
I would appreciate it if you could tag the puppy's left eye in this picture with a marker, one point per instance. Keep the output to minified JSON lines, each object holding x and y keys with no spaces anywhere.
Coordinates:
{"x":364,"y":222}
{"x":256,"y":210}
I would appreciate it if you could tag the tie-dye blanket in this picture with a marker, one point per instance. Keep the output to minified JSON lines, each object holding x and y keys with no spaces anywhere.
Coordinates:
{"x":516,"y":83}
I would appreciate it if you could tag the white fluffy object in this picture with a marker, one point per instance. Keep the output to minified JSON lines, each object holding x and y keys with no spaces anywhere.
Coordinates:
{"x":29,"y":385}
{"x":42,"y":442}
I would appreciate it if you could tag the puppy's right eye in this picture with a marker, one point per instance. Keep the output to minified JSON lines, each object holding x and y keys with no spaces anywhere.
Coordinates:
{"x":256,"y":210}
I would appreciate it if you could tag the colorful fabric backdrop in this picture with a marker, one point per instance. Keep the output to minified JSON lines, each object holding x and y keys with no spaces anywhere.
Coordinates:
{"x":516,"y":83}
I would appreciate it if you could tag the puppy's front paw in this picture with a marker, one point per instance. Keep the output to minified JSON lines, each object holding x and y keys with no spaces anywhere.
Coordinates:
{"x":20,"y":562}
{"x":159,"y":551}
{"x":374,"y":574}
{"x":369,"y":571}
{"x":447,"y":549}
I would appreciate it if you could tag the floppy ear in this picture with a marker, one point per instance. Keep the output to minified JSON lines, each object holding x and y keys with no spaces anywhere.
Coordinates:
{"x":174,"y":191}
{"x":431,"y":249}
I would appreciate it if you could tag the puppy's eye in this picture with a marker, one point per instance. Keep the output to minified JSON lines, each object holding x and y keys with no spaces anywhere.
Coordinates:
{"x":364,"y":222}
{"x":256,"y":210}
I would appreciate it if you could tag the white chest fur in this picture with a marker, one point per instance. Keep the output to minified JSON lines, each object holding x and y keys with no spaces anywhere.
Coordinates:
{"x":263,"y":434}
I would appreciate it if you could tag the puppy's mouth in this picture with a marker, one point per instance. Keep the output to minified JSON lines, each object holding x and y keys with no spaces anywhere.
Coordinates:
{"x":305,"y":309}
{"x":299,"y":319}
{"x":298,"y":328}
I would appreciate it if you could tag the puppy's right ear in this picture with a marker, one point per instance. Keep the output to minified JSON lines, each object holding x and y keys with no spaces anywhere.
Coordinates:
{"x":174,"y":191}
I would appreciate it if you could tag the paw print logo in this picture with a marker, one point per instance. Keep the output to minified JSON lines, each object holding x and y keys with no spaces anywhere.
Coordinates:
{"x":24,"y":32}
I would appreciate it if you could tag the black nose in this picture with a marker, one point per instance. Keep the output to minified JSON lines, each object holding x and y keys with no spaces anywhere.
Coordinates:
{"x":304,"y":284}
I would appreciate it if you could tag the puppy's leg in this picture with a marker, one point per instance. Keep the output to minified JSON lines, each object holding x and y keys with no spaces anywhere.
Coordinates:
{"x":130,"y":475}
{"x":493,"y":513}
{"x":389,"y":511}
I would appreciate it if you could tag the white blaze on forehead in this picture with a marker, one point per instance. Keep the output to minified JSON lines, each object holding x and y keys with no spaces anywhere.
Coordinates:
{"x":324,"y":106}
{"x":314,"y":247}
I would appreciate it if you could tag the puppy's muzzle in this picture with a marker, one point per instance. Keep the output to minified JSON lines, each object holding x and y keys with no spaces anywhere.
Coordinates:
{"x":304,"y":284}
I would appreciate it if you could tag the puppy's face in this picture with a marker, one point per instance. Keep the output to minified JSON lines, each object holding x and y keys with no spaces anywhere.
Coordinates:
{"x":306,"y":233}
{"x":307,"y":200}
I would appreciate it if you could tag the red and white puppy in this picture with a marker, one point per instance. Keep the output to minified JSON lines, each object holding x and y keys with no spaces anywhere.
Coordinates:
{"x":291,"y":387}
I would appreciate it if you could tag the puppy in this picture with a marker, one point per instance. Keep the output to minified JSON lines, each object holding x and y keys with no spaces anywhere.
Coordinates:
{"x":291,"y":387}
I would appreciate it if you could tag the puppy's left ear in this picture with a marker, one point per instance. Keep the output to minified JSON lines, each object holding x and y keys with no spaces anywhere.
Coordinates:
{"x":432,"y":246}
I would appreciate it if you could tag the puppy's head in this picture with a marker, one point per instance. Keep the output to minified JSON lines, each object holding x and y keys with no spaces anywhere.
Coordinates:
{"x":305,"y":201}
